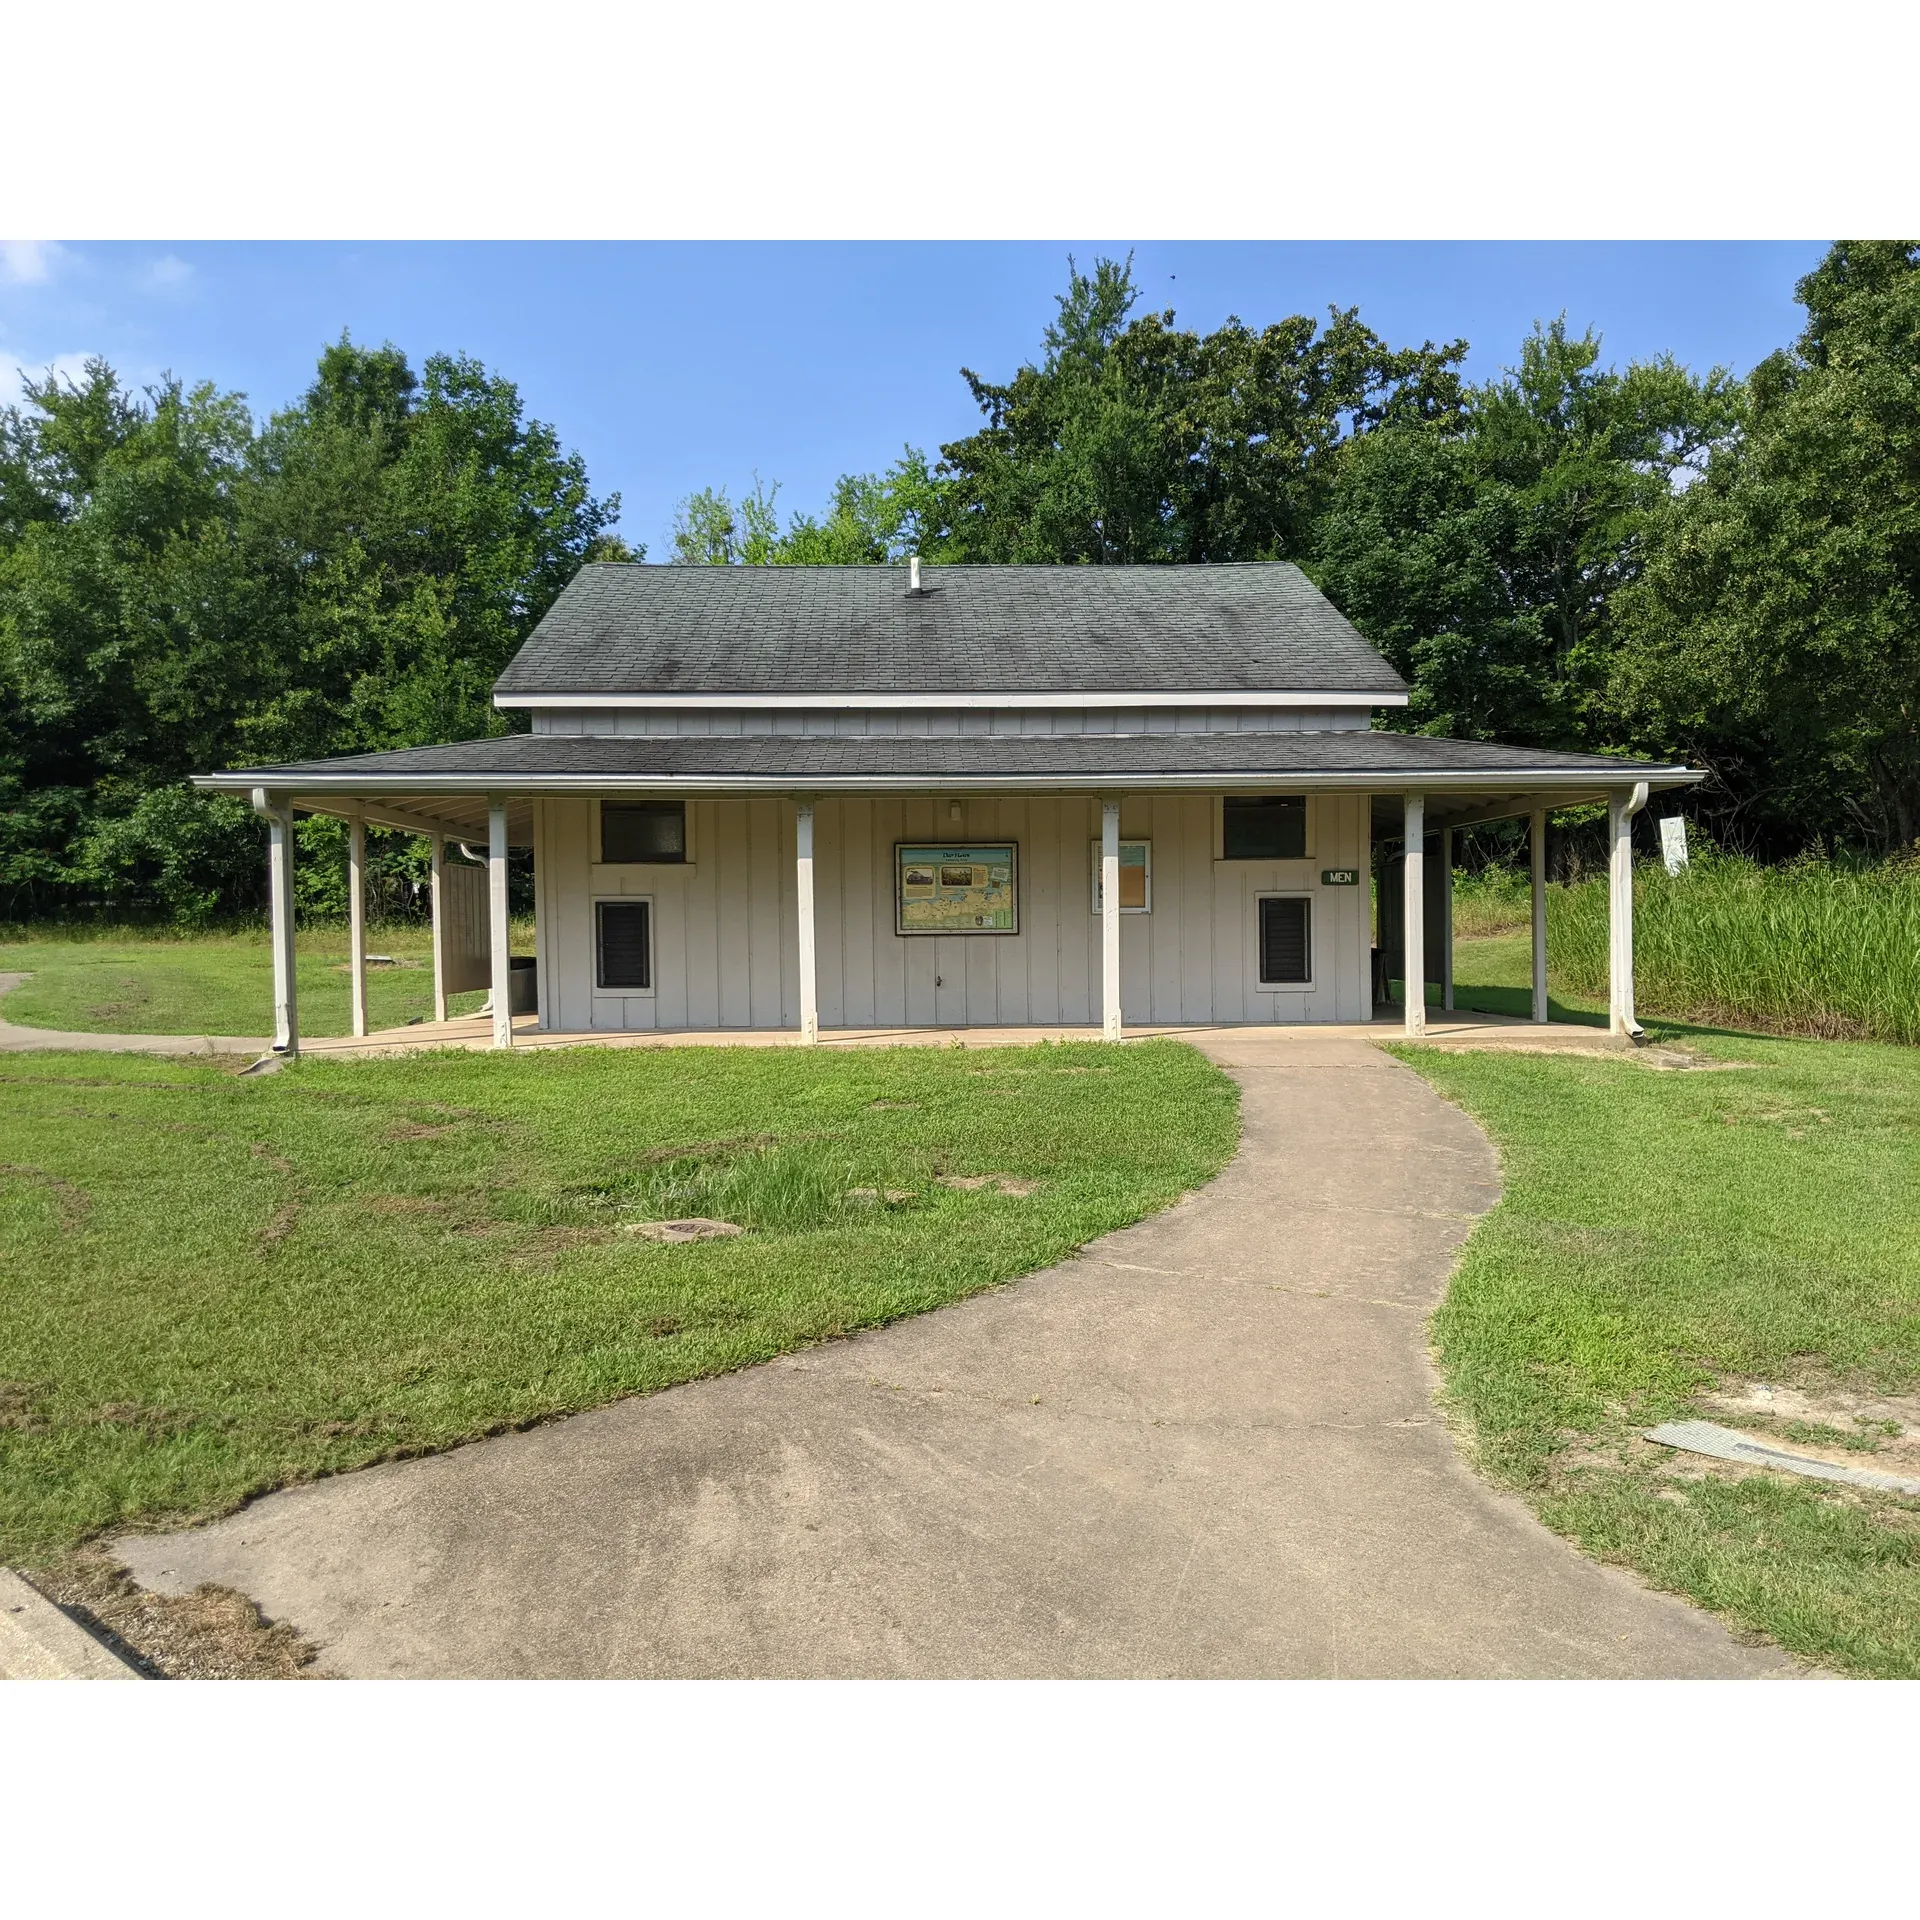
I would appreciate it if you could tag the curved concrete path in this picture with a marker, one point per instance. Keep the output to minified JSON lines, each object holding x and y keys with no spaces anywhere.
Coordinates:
{"x":1206,"y":1447}
{"x":49,"y":1040}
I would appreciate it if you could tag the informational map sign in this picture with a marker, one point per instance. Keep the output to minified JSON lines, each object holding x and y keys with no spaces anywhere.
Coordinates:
{"x":964,"y":889}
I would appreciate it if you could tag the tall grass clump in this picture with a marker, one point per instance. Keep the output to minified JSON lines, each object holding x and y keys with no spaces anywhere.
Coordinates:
{"x":1497,"y":899}
{"x":1816,"y":947}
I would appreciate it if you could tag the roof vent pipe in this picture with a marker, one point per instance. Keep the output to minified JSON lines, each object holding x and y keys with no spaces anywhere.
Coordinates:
{"x":913,"y":573}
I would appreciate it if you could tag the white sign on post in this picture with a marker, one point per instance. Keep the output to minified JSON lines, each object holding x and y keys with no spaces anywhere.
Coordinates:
{"x":1673,"y":842}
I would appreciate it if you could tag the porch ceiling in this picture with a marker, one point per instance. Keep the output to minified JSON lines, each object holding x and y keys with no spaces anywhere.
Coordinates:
{"x":460,"y":816}
{"x":1458,"y":809}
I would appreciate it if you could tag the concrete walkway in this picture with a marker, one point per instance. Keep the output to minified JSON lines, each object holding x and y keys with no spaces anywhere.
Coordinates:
{"x":1207,"y":1446}
{"x":47,"y":1040}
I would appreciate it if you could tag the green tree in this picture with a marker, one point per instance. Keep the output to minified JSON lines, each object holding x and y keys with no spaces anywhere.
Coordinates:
{"x":120,"y":590}
{"x":1132,"y":440}
{"x":1775,"y":633}
{"x":873,"y":519}
{"x":1484,"y":553}
{"x":413,"y":534}
{"x":870,"y":519}
{"x":179,"y":591}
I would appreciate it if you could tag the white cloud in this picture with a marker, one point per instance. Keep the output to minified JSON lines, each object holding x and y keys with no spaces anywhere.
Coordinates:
{"x":25,"y":263}
{"x":167,"y":274}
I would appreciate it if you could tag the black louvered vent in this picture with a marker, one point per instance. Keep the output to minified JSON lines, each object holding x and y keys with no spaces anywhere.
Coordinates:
{"x":1284,"y":943}
{"x":625,"y":956}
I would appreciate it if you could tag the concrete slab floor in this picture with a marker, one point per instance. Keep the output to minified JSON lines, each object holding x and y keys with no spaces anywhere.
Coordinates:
{"x":1205,"y":1447}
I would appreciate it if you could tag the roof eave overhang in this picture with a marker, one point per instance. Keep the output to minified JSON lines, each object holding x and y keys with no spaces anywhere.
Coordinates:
{"x":1571,"y":787}
{"x":843,"y":702}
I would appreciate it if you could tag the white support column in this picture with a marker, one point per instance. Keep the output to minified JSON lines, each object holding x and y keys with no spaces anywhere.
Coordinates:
{"x":357,"y":920}
{"x":1413,"y":967}
{"x":497,"y":924}
{"x":1621,"y":807}
{"x":1110,"y":919}
{"x":437,"y":904}
{"x":803,"y":892}
{"x":277,"y":810}
{"x":1446,"y":918}
{"x":1537,"y":851}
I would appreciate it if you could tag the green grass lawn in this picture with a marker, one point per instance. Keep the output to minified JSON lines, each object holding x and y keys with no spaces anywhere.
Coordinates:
{"x":133,"y":982}
{"x":1667,"y":1235}
{"x":211,"y":1286}
{"x":223,"y":983}
{"x":1493,"y":973}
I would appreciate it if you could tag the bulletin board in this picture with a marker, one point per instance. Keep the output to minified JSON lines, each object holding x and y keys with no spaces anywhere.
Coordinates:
{"x":1136,"y":876}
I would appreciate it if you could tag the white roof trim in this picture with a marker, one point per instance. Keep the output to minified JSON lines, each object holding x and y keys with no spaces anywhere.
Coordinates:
{"x":1570,"y":783}
{"x":1235,"y":697}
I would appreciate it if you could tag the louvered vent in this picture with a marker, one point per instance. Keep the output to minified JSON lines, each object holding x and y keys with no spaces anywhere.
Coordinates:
{"x":625,"y":945}
{"x":1285,"y":942}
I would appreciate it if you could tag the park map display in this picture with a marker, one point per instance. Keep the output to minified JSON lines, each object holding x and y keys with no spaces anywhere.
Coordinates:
{"x":968,"y":889}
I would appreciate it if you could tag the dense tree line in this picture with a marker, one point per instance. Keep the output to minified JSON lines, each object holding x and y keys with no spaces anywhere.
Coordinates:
{"x":1570,"y":554}
{"x":182,"y":589}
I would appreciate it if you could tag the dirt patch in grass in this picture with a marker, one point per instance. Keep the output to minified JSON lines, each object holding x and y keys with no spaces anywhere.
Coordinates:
{"x":1824,"y":1420}
{"x":71,"y":1201}
{"x":21,"y":1406}
{"x":1004,"y":1183}
{"x":212,"y":1633}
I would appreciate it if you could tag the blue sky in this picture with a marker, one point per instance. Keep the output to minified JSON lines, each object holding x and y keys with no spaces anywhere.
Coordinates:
{"x":672,"y":366}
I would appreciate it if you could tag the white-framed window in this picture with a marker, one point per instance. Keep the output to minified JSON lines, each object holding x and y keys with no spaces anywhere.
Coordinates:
{"x":642,"y":833}
{"x":1283,"y":942}
{"x":623,"y":947}
{"x":1136,"y":876}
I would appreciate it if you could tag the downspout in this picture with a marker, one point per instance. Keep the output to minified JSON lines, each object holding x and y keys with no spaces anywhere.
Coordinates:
{"x":1621,"y":1017}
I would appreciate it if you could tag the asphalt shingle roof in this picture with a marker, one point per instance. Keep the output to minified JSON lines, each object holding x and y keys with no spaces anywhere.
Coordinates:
{"x":801,"y":760}
{"x":1041,"y":629}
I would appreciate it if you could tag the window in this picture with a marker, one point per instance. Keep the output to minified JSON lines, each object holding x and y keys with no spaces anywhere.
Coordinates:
{"x":1286,"y":941}
{"x":1263,"y":826}
{"x":624,"y":946}
{"x":635,"y":832}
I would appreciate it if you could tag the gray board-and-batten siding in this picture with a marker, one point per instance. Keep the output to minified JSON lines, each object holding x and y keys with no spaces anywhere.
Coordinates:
{"x":725,"y":922}
{"x":839,"y":723}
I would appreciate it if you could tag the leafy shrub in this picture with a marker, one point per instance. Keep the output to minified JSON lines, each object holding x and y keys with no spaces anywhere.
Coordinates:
{"x":198,"y":857}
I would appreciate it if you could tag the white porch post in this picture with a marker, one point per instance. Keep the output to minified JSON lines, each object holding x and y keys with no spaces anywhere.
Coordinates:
{"x":1537,"y":850}
{"x":357,"y":920}
{"x":437,"y":903}
{"x":1110,"y":919}
{"x":277,"y":810}
{"x":1413,"y":976}
{"x":497,"y":921}
{"x":1621,"y":807}
{"x":1446,"y":918}
{"x":803,"y":891}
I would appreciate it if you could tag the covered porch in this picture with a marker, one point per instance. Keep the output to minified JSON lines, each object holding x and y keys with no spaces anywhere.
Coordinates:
{"x":807,"y":936}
